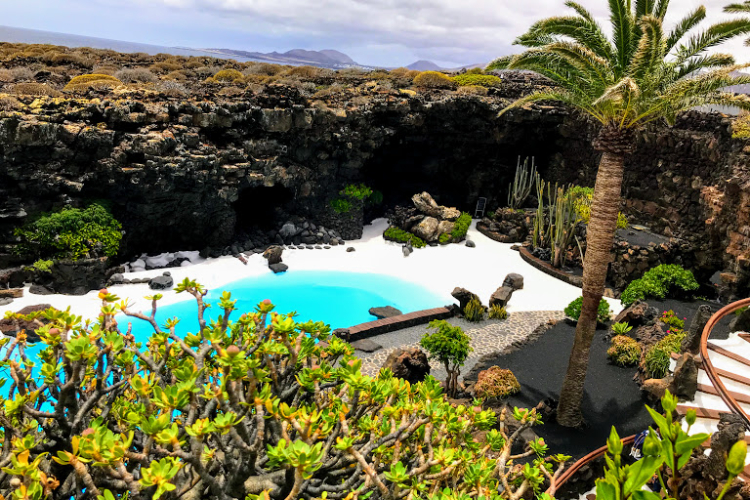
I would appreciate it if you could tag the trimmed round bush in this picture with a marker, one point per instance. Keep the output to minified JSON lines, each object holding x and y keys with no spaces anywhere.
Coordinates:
{"x":625,"y":351}
{"x":472,"y":79}
{"x":496,"y":382}
{"x":90,"y":78}
{"x":434,"y":80}
{"x":573,"y":310}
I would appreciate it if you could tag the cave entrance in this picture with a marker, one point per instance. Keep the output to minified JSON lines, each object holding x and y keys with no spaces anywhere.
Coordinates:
{"x":261,"y":208}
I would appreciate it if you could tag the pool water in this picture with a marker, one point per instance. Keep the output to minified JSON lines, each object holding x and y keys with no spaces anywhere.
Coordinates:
{"x":340,"y":299}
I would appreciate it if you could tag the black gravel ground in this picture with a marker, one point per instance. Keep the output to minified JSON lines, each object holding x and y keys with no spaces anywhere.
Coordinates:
{"x":611,"y":397}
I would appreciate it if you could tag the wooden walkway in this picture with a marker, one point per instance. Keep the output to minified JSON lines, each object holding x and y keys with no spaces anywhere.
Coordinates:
{"x":386,"y":325}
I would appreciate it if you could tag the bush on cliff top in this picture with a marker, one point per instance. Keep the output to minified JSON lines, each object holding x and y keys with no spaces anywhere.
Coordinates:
{"x":434,"y":80}
{"x":477,"y":80}
{"x":741,"y":127}
{"x":228,"y":75}
{"x":254,"y":406}
{"x":93,"y":77}
{"x":71,"y":233}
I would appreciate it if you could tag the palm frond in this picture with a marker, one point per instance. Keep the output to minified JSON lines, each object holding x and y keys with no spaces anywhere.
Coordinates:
{"x":738,"y":7}
{"x":551,"y":95}
{"x":704,"y":62}
{"x":581,"y":11}
{"x":713,"y":36}
{"x":625,"y":88}
{"x":622,"y":28}
{"x":661,"y":9}
{"x":651,"y":48}
{"x":499,"y":63}
{"x":686,"y":24}
{"x":557,"y":29}
{"x":644,"y":8}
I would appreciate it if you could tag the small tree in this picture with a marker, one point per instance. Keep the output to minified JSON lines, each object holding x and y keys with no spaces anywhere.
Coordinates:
{"x":449,"y":345}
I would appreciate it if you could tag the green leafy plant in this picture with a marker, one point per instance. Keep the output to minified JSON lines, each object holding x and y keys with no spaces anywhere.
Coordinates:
{"x":397,"y":234}
{"x":659,"y":282}
{"x":664,"y":455}
{"x":621,"y":328}
{"x":253,"y":406}
{"x":659,"y":355}
{"x":671,"y":319}
{"x":625,"y":351}
{"x":434,"y":80}
{"x":474,"y":311}
{"x":450,"y":346}
{"x":340,"y":205}
{"x":71,"y":233}
{"x":444,"y":239}
{"x":496,"y":382}
{"x":472,"y":79}
{"x":41,"y":266}
{"x":461,"y":226}
{"x":357,"y":191}
{"x":498,"y":312}
{"x":573,"y":310}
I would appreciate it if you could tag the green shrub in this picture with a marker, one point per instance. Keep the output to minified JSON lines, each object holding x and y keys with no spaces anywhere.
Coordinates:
{"x":228,"y":75}
{"x":496,"y":382}
{"x":582,"y":203}
{"x":450,"y":346}
{"x":625,"y":351}
{"x":671,"y":319}
{"x":474,"y":311}
{"x":461,"y":226}
{"x":357,"y":191}
{"x":341,"y":205}
{"x":498,"y":312}
{"x":574,"y":310}
{"x":41,"y":266}
{"x":477,"y":80}
{"x":658,"y":356}
{"x":741,"y":127}
{"x":71,"y":233}
{"x":82,"y":82}
{"x":376,"y":198}
{"x":401,"y":236}
{"x":434,"y":80}
{"x":444,"y":239}
{"x":621,"y":328}
{"x":253,"y":404}
{"x":659,"y":282}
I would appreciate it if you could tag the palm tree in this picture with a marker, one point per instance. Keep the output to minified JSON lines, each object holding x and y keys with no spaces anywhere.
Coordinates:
{"x":640,"y":74}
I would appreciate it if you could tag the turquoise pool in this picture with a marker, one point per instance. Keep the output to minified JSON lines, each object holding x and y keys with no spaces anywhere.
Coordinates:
{"x":338,"y":298}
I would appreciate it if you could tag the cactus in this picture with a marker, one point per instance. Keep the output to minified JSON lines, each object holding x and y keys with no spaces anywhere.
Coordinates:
{"x":520,"y":189}
{"x":555,"y":221}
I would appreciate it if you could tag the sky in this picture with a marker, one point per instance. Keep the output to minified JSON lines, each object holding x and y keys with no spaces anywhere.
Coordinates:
{"x":389,"y":33}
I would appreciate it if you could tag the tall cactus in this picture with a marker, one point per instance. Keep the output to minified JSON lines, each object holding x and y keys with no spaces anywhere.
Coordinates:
{"x":564,"y":223}
{"x":520,"y":189}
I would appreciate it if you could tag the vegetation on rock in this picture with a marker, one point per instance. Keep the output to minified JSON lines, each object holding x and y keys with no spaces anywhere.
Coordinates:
{"x":573,"y":310}
{"x":450,"y":346}
{"x":461,"y":227}
{"x":658,"y":356}
{"x":496,"y":382}
{"x":474,"y":311}
{"x":498,"y":312}
{"x":434,"y":80}
{"x":741,"y":127}
{"x":252,"y":406}
{"x":71,"y":233}
{"x":357,"y":191}
{"x":472,"y":79}
{"x":659,"y":282}
{"x":625,"y":351}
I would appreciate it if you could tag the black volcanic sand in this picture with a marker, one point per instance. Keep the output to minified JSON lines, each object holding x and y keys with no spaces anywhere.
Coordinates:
{"x":638,"y":235}
{"x":611,"y":397}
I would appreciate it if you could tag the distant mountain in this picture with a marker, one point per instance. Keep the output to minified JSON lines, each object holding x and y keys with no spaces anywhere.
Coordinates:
{"x":423,"y":65}
{"x":338,"y":56}
{"x":332,"y":59}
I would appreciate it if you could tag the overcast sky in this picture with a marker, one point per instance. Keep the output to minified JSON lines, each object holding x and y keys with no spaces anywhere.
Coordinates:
{"x":376,"y":32}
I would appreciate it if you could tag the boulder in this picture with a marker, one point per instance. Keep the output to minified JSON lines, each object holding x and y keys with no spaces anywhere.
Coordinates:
{"x":288,"y":230}
{"x":278,"y":268}
{"x":501,"y":297}
{"x":163,"y":282}
{"x":11,"y":327}
{"x":408,"y":363}
{"x":407,"y":250}
{"x":684,"y":382}
{"x":12,"y":293}
{"x":366,"y":345}
{"x":463,"y":296}
{"x":350,"y":249}
{"x":513,"y":281}
{"x":5,"y":301}
{"x":692,"y":341}
{"x":655,"y":388}
{"x":273,"y":254}
{"x":730,"y":430}
{"x":639,"y":313}
{"x":76,"y":277}
{"x":427,"y":229}
{"x":427,"y":205}
{"x":470,"y":244}
{"x":741,"y":322}
{"x":117,"y":279}
{"x":445,"y":227}
{"x":385,"y":312}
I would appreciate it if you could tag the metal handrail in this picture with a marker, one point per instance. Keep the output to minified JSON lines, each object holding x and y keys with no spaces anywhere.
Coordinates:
{"x":708,"y":367}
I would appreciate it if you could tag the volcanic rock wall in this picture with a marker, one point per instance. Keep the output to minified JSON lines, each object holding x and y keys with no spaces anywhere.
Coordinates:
{"x":190,"y":173}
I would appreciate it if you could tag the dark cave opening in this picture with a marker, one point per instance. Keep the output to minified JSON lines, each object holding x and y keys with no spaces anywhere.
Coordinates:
{"x":261,"y":208}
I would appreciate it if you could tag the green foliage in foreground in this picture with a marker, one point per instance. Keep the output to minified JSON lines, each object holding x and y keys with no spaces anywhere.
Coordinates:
{"x":664,"y":456}
{"x":252,"y":405}
{"x":573,"y":310}
{"x":397,"y":234}
{"x":71,"y":233}
{"x":658,"y":283}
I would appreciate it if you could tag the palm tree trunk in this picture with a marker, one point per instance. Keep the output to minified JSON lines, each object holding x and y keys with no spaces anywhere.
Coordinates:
{"x":599,"y":239}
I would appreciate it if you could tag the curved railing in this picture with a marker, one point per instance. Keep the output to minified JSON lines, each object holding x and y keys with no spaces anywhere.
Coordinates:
{"x":708,"y":367}
{"x":570,"y":471}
